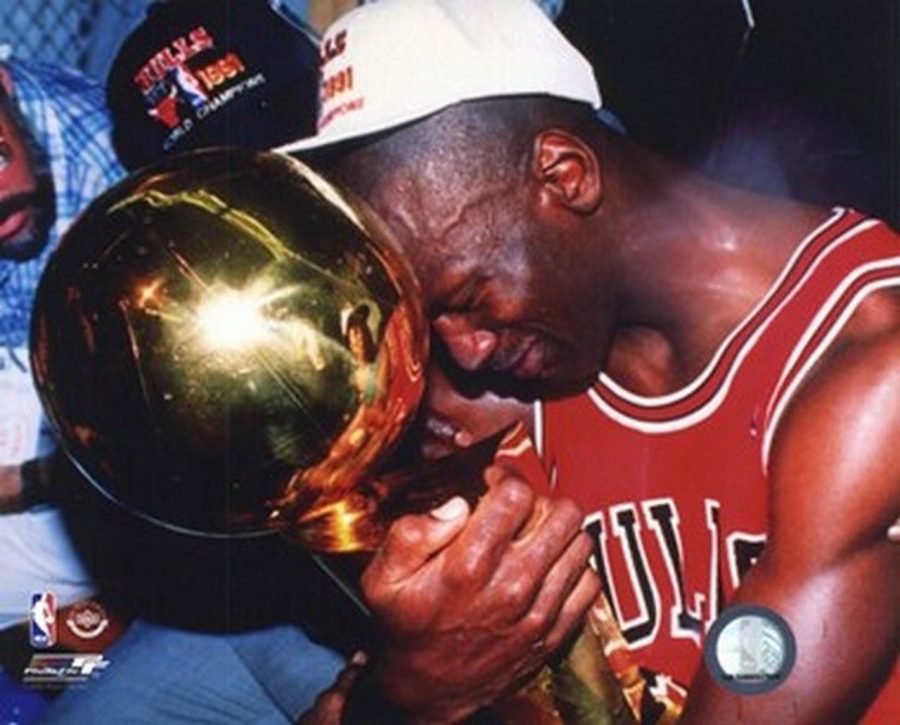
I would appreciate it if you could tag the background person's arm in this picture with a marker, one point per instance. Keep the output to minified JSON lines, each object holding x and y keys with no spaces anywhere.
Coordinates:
{"x":10,"y":488}
{"x":26,"y":484}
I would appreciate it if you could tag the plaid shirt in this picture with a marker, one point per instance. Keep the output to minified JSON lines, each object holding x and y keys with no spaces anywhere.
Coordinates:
{"x":66,"y":117}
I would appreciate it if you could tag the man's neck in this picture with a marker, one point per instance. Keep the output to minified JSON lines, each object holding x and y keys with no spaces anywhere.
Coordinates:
{"x":695,"y":260}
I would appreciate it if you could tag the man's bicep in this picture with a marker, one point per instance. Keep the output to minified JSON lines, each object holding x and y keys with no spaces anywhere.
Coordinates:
{"x":835,"y":466}
{"x":829,"y":568}
{"x":843,"y":618}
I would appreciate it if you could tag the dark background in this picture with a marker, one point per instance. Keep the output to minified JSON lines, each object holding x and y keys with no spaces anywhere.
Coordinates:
{"x":803,"y":104}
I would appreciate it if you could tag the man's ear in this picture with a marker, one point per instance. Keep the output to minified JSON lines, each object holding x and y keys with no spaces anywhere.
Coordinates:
{"x":568,"y":170}
{"x":6,"y":80}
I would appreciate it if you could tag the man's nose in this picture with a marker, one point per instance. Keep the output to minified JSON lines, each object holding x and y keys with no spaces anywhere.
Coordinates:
{"x":469,"y":346}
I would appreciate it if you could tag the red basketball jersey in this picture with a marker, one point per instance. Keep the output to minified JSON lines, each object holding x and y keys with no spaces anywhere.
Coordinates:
{"x":676,"y":485}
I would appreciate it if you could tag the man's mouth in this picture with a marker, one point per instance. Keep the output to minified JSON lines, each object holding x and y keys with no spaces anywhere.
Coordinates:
{"x":440,"y":428}
{"x":446,"y":431}
{"x":17,"y":212}
{"x":531,"y":361}
{"x":525,"y":361}
{"x":13,"y":223}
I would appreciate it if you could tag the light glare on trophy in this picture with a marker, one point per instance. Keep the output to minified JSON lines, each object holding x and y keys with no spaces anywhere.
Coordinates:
{"x":227,"y":344}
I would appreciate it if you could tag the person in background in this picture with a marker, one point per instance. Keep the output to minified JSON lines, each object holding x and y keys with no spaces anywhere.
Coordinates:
{"x":221,"y":629}
{"x":55,"y":157}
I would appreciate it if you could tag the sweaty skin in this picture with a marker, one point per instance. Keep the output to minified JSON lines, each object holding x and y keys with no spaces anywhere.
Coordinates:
{"x":600,"y":255}
{"x":826,"y":561}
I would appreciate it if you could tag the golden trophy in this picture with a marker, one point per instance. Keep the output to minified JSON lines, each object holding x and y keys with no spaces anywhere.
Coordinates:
{"x":227,"y":344}
{"x":222,"y":335}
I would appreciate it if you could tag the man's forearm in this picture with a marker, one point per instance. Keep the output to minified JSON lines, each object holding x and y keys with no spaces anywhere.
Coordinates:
{"x":10,"y":489}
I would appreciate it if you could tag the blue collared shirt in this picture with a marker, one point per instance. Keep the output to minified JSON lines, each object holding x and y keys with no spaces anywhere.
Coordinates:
{"x":66,"y":117}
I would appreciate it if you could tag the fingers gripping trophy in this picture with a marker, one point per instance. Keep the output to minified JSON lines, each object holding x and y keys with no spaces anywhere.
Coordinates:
{"x":229,"y":345}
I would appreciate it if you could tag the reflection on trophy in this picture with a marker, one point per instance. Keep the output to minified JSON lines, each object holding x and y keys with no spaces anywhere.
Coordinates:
{"x":221,"y":341}
{"x":227,"y":344}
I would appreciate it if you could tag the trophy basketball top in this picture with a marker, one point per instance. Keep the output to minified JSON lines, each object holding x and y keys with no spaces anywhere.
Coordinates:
{"x":224,"y":336}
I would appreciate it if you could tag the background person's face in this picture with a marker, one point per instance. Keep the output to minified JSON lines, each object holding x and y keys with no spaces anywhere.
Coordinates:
{"x":22,"y":205}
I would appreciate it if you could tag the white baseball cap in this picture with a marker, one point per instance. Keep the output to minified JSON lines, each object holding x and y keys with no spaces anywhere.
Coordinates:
{"x":394,"y":61}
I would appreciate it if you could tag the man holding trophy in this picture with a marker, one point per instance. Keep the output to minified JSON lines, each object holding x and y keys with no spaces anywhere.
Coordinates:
{"x":716,"y":370}
{"x":743,"y":345}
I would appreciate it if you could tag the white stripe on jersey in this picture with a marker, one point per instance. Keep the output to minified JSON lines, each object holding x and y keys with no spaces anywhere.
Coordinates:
{"x":516,"y":450}
{"x":690,"y":388}
{"x":826,"y":341}
{"x":710,"y":407}
{"x":538,"y":409}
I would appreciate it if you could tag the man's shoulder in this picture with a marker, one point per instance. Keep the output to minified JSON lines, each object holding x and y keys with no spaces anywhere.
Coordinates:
{"x":44,"y":83}
{"x":866,"y":255}
{"x":59,"y":101}
{"x":876,"y":226}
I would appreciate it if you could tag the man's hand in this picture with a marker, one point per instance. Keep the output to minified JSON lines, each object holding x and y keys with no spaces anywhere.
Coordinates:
{"x":25,"y":485}
{"x":10,"y":488}
{"x":330,"y":706}
{"x":471,"y":604}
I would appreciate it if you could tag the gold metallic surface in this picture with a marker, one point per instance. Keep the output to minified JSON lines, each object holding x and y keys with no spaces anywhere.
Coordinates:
{"x":227,"y":344}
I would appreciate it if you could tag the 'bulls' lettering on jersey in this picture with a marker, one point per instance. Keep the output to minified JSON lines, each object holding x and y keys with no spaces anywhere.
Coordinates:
{"x":692,"y":612}
{"x":626,"y":528}
{"x":662,"y":519}
{"x":715,"y":580}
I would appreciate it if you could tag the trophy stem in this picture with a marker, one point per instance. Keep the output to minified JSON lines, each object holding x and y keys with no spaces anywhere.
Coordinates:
{"x":345,"y":577}
{"x":595,"y":680}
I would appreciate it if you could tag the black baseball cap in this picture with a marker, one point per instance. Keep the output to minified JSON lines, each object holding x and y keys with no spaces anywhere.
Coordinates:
{"x":199,"y":73}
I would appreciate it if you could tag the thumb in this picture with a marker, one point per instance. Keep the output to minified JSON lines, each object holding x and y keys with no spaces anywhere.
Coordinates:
{"x":414,"y":540}
{"x":330,"y":705}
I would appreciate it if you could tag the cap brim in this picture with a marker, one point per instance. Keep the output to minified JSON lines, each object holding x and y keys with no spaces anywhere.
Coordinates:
{"x":325,"y":140}
{"x":311,"y":143}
